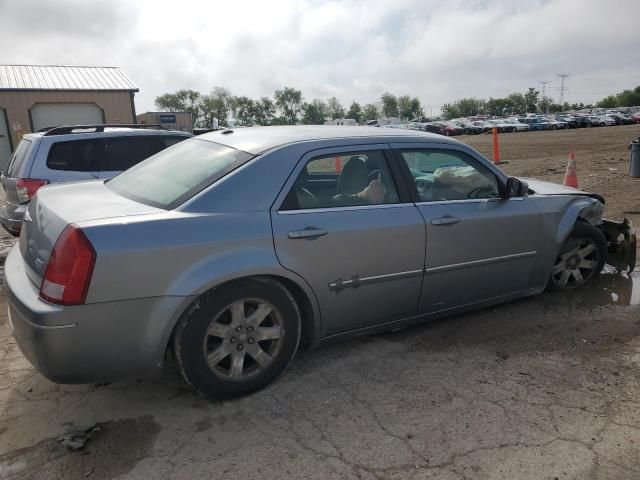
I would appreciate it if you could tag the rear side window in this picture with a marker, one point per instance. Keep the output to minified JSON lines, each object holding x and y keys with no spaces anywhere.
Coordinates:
{"x":123,"y":153}
{"x":18,"y":158}
{"x":76,"y":156}
{"x":174,"y":175}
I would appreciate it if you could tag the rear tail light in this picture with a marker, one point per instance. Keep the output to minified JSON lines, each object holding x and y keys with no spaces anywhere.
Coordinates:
{"x":27,"y":188}
{"x":68,"y":274}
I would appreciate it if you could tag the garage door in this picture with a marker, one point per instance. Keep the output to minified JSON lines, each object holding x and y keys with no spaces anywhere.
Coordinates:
{"x":5,"y":144}
{"x":55,"y":114}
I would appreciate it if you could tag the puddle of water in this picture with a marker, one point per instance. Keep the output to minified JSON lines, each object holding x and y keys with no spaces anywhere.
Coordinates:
{"x":609,"y":288}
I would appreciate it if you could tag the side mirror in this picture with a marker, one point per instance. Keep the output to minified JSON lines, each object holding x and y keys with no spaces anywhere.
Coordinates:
{"x":515,"y":188}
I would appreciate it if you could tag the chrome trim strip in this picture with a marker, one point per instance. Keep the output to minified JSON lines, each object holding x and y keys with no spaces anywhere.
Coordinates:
{"x":475,"y":263}
{"x":341,"y":209}
{"x":469,"y":200}
{"x":356,"y":281}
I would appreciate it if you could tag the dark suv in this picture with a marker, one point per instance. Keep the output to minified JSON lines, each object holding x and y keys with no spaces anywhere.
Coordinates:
{"x":73,"y":153}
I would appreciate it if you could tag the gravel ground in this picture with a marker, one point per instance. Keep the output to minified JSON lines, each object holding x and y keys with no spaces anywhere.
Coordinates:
{"x":541,"y":388}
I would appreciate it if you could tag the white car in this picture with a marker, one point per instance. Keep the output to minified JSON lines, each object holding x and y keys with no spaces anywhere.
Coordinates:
{"x":520,"y":127}
{"x":555,"y":123}
{"x":503,"y":125}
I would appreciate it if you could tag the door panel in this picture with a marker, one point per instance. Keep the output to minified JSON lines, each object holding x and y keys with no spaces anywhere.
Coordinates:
{"x":490,"y":251}
{"x":353,"y":235}
{"x":479,"y":245}
{"x":366,"y":269}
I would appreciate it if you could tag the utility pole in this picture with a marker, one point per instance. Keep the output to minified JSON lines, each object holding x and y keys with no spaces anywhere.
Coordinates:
{"x":563,"y":77}
{"x":544,"y":84}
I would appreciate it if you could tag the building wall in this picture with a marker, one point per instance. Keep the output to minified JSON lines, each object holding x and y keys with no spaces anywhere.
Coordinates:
{"x":116,"y":106}
{"x":183,"y":120}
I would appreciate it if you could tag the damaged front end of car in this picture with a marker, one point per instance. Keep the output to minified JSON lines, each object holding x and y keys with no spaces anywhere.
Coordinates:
{"x":621,"y":238}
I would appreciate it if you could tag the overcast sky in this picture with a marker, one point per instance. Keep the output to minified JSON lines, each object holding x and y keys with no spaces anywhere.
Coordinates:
{"x":437,"y":50}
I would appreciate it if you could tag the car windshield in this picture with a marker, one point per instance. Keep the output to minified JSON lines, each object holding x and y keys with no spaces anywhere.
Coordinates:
{"x":176,"y":174}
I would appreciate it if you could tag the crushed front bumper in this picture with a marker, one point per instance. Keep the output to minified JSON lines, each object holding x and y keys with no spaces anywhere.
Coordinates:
{"x":621,"y":238}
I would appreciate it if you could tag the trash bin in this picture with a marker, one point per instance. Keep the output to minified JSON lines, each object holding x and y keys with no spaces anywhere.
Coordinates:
{"x":634,"y":167}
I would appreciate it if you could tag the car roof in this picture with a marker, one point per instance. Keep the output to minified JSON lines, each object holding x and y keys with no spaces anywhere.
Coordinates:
{"x":256,"y":140}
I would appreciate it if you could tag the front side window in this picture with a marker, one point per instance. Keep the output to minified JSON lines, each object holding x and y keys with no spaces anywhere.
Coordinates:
{"x":343,"y":180}
{"x":174,"y":175}
{"x":449,"y":175}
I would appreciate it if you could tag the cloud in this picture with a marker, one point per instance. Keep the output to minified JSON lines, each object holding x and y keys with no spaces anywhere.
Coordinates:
{"x":438,"y":51}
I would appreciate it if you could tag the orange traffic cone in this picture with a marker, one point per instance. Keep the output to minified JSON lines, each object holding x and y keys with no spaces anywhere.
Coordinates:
{"x":337,"y":164}
{"x":571,"y":177}
{"x":496,"y":147}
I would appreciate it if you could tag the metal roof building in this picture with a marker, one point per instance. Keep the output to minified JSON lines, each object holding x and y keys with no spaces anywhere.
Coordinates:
{"x":38,"y":96}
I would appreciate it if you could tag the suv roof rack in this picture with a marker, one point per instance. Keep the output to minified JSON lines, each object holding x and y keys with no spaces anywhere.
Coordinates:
{"x":66,"y":129}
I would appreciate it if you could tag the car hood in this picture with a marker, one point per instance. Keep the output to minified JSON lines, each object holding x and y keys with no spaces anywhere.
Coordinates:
{"x":548,"y":188}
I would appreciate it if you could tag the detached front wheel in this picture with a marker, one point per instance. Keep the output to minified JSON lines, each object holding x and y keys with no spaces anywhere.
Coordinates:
{"x":237,"y":338}
{"x":581,"y":258}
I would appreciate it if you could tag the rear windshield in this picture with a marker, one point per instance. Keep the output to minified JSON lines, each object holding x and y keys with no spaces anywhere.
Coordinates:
{"x":174,"y":175}
{"x":18,"y":158}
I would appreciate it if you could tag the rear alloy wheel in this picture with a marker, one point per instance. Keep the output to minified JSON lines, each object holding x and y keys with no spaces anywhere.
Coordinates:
{"x":238,"y":338}
{"x":581,"y":258}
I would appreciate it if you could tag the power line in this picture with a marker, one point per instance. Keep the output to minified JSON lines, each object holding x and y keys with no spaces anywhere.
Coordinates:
{"x":563,"y":77}
{"x":544,"y":84}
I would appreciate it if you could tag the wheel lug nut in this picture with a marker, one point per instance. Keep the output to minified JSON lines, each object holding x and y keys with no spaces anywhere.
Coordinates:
{"x":249,"y":329}
{"x":238,"y":329}
{"x":240,"y":346}
{"x":251,"y":340}
{"x":232,"y":340}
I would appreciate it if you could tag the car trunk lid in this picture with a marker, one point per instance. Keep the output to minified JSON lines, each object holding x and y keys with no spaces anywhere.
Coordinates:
{"x":55,"y":207}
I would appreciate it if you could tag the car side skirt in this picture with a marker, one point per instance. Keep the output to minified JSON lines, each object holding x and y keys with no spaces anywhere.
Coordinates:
{"x":423,"y":318}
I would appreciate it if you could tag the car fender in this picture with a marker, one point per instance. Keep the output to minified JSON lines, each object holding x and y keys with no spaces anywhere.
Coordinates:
{"x":581,"y":207}
{"x":226,"y":266}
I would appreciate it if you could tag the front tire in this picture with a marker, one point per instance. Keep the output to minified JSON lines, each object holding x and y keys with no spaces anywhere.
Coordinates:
{"x":237,"y":338}
{"x":581,"y":258}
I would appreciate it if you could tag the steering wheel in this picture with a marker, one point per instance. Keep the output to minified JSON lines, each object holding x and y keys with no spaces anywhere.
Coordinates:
{"x":306,"y":199}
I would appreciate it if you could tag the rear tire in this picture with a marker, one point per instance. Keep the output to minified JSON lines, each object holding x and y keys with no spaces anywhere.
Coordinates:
{"x":581,"y":258}
{"x":237,"y":338}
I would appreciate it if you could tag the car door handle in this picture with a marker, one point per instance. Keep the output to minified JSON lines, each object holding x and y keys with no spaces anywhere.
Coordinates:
{"x":446,"y":220}
{"x":307,"y":233}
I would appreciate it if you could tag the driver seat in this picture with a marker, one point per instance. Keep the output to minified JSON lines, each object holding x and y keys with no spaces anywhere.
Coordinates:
{"x":353,"y":179}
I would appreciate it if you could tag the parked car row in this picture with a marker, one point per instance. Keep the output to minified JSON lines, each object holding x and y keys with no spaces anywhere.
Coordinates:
{"x":478,"y":125}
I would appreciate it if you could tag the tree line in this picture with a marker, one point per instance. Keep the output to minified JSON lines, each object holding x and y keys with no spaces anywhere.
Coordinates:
{"x":287,"y":107}
{"x":626,"y":98}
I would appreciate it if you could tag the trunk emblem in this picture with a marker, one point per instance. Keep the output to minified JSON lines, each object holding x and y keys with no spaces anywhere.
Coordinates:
{"x":27,"y":216}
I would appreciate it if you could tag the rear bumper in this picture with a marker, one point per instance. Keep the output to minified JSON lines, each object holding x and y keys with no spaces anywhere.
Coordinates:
{"x":11,"y":217}
{"x":88,"y":343}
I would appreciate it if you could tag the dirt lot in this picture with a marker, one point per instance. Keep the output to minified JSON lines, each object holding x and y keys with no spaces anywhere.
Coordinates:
{"x":542,"y":388}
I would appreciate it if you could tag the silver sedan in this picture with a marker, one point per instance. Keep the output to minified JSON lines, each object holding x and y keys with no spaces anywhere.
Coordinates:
{"x":233,"y":248}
